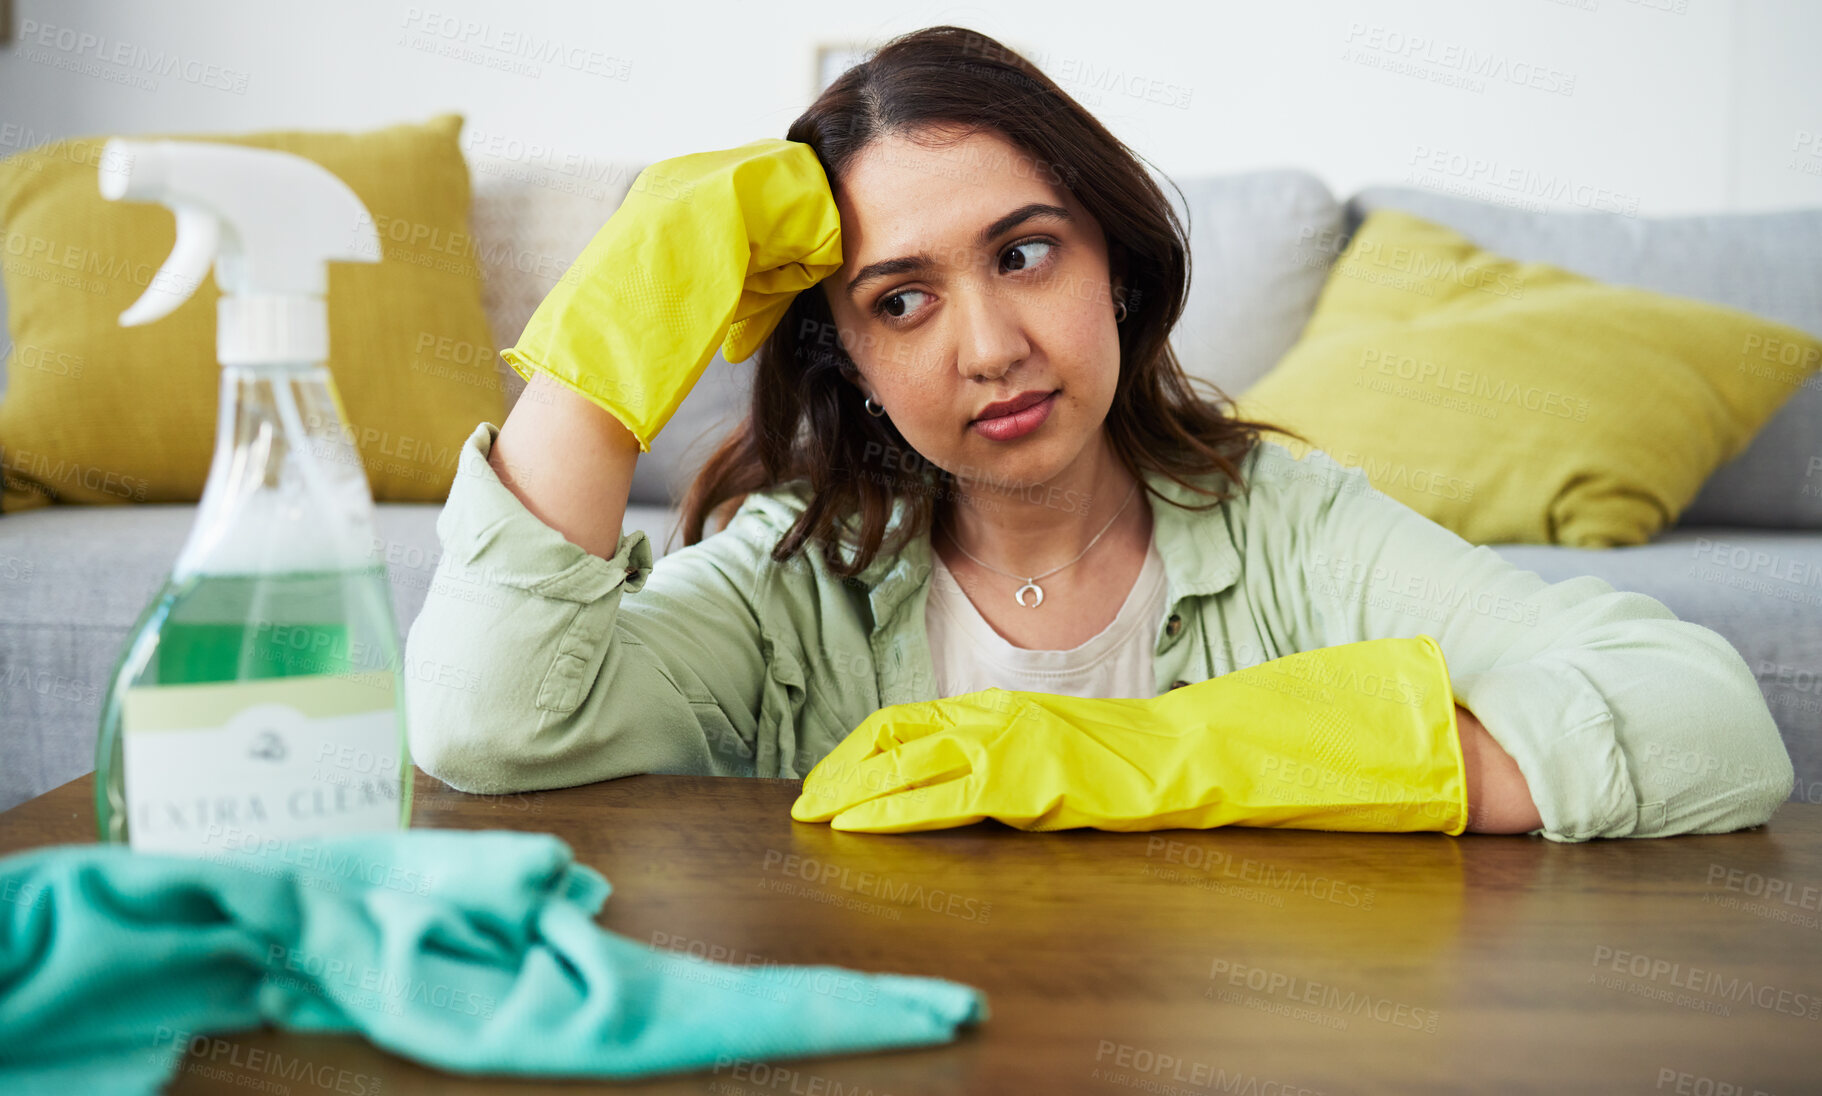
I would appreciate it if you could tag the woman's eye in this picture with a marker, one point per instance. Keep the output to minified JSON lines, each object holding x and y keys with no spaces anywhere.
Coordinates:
{"x":885,"y":306}
{"x":892,"y":308}
{"x":1026,"y":246}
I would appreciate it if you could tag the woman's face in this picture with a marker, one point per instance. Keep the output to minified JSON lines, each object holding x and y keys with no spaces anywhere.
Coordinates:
{"x":973,"y":289}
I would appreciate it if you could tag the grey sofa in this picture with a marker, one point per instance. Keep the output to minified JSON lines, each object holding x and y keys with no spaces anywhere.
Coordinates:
{"x":1744,"y":560}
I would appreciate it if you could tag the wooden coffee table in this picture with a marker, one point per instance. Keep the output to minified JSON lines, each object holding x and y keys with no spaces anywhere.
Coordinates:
{"x":1273,"y":962}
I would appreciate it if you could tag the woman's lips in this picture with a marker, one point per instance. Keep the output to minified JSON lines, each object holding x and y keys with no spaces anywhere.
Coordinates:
{"x":1017,"y":424}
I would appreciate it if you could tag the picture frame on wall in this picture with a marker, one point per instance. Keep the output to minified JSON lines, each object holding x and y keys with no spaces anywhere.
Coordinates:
{"x":832,"y":59}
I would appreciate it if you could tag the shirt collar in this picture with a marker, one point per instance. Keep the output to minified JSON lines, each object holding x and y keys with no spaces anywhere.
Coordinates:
{"x":1198,"y":548}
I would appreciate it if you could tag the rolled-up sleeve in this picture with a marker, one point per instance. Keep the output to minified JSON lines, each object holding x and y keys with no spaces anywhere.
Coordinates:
{"x":1625,"y":720}
{"x":527,"y":671}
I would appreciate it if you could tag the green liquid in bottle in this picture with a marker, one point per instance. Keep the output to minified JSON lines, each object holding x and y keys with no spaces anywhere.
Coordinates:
{"x":222,"y":629}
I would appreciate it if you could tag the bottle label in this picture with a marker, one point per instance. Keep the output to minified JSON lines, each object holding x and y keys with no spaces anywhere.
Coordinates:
{"x":210,"y":767}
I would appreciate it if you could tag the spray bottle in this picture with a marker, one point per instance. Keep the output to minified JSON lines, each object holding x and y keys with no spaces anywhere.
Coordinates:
{"x":259,"y":698}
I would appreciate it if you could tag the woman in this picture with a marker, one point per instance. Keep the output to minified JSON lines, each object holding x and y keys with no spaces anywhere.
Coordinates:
{"x":973,"y":460}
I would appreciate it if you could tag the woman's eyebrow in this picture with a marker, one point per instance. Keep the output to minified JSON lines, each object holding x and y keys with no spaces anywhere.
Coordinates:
{"x":911,"y":264}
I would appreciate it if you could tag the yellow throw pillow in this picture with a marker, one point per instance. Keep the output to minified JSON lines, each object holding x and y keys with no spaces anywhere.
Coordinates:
{"x":99,"y":413}
{"x":1519,"y":402}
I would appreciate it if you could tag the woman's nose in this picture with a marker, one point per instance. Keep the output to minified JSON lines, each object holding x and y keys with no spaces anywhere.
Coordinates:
{"x":990,"y":334}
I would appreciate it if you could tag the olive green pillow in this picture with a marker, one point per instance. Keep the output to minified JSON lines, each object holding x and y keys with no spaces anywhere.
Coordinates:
{"x":99,"y":413}
{"x":1519,"y":402}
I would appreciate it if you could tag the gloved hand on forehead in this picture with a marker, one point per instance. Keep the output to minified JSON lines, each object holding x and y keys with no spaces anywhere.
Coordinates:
{"x":1359,"y":736}
{"x":706,"y":248}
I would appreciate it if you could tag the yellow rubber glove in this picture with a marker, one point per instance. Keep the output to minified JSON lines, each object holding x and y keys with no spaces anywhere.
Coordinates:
{"x":705,"y":247}
{"x":1358,"y":736}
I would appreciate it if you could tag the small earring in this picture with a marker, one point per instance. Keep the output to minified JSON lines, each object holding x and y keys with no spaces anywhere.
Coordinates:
{"x":873,"y":409}
{"x":1119,"y":315}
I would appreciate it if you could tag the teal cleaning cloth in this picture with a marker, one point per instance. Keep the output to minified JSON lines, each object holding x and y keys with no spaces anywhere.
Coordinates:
{"x":474,"y":952}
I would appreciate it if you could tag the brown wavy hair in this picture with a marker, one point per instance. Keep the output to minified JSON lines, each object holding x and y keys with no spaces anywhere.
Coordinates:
{"x":805,"y":422}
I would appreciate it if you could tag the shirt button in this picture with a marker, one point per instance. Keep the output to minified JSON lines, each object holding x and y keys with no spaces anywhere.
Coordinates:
{"x":1173,"y":625}
{"x":1178,"y":684}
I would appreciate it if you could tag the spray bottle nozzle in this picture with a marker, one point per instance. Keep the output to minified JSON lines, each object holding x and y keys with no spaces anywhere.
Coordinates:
{"x":267,"y":221}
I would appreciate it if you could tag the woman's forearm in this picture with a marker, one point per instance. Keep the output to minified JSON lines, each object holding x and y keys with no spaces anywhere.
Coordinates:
{"x":569,"y":461}
{"x":1499,"y":798}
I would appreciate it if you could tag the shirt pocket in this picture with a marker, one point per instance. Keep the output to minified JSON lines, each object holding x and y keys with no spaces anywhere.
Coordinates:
{"x":721,"y":735}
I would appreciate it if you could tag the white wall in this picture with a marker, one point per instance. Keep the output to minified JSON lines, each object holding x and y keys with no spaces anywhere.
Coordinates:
{"x":1672,"y":106}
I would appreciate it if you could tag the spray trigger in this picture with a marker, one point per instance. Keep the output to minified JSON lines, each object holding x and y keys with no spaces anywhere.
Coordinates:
{"x":198,"y":237}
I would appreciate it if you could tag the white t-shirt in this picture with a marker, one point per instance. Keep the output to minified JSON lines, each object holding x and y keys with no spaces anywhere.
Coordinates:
{"x":969,"y":655}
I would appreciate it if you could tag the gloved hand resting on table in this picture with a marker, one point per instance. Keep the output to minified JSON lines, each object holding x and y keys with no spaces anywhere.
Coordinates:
{"x":1357,"y":736}
{"x":707,"y":246}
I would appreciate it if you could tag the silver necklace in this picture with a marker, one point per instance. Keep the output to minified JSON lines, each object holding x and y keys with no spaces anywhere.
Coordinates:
{"x":1032,"y":582}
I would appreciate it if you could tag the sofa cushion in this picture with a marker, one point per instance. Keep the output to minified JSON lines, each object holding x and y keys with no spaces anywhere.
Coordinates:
{"x":1519,"y":402}
{"x":1259,"y":248}
{"x":99,"y":413}
{"x":1769,"y":264}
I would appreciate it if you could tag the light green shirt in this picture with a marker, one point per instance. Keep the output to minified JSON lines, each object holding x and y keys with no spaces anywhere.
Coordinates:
{"x":536,"y":664}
